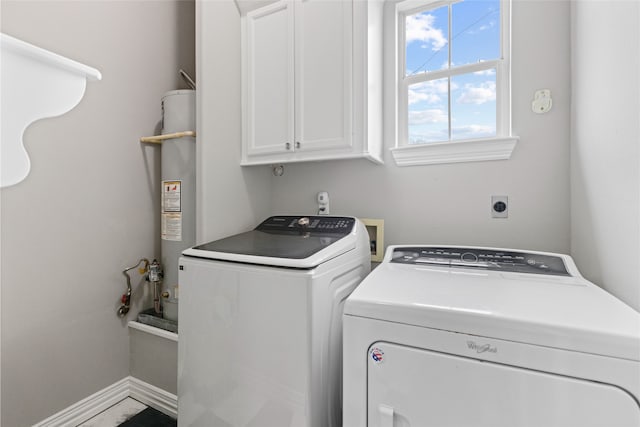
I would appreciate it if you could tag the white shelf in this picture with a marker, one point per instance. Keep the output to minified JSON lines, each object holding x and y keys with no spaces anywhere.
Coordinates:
{"x":36,"y":84}
{"x":25,"y":49}
{"x":153,"y":330}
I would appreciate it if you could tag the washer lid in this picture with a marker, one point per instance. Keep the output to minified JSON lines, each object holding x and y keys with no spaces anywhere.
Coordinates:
{"x":286,"y":241}
{"x":559,"y":311}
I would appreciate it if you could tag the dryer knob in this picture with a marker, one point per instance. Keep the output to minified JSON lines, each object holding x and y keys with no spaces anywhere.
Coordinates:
{"x":469,"y":257}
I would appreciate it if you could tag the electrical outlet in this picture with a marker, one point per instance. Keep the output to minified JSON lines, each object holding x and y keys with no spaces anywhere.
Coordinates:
{"x":323,"y":203}
{"x":499,"y":206}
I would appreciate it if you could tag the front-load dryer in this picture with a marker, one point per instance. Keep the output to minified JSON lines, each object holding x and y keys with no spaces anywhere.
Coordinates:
{"x":260,"y":323}
{"x":461,"y":336}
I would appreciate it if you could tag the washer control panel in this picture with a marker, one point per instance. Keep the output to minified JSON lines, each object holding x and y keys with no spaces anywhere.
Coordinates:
{"x":485,"y":258}
{"x":316,"y":224}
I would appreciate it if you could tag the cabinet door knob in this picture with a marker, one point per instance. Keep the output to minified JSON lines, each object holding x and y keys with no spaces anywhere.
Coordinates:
{"x":297,"y":144}
{"x":288,"y":145}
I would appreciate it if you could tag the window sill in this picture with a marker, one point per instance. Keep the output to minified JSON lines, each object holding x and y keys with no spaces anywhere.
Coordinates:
{"x":471,"y":150}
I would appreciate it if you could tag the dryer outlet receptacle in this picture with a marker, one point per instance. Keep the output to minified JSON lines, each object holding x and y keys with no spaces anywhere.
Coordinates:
{"x":499,"y":206}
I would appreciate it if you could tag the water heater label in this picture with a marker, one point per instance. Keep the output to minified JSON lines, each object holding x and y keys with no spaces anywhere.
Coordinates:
{"x":171,"y":226}
{"x":171,"y":201}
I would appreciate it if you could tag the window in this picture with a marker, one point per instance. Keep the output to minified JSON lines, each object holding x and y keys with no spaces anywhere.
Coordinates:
{"x":452,"y":81}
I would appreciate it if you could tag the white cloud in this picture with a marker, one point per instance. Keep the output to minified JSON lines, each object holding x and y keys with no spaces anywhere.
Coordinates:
{"x":473,"y":130}
{"x":420,"y":27}
{"x":480,"y":94}
{"x":489,"y":72}
{"x":429,"y":116}
{"x":421,"y":136}
{"x":416,"y":96}
{"x":424,"y":138}
{"x":491,"y":24}
{"x":429,"y":91}
{"x":437,"y":86}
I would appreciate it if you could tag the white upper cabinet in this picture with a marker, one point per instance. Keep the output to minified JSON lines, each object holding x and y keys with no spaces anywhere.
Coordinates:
{"x":306,"y":82}
{"x":268,"y":80}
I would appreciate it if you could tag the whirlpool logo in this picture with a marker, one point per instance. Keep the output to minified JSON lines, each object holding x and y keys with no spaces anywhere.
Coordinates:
{"x":483,"y":348}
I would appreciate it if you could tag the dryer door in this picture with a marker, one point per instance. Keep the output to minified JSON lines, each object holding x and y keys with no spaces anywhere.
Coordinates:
{"x":421,"y":388}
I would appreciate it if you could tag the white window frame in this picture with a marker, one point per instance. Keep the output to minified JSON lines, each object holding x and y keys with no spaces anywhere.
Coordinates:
{"x":498,"y":147}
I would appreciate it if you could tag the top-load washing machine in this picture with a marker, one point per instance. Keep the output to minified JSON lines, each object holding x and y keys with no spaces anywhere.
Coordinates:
{"x":260,"y":323}
{"x":460,"y":336}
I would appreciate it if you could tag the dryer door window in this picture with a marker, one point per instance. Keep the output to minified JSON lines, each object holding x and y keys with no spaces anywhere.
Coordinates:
{"x":416,"y":387}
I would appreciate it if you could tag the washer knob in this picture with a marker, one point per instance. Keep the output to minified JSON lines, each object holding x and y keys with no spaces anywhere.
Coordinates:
{"x":303,"y":222}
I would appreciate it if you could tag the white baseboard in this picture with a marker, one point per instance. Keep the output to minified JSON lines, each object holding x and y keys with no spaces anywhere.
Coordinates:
{"x":157,"y":398}
{"x":91,"y":406}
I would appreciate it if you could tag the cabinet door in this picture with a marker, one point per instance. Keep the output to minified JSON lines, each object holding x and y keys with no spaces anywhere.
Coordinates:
{"x":269,"y":80}
{"x":323,"y":76}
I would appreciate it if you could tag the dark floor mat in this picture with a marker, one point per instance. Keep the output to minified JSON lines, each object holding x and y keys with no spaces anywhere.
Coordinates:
{"x":150,"y":418}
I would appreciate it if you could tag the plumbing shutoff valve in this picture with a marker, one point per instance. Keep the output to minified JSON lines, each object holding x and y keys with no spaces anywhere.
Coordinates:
{"x":155,"y":272}
{"x":125,"y":299}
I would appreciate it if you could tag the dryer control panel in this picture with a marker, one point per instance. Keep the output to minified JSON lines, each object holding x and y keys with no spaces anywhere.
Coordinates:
{"x":481,"y":258}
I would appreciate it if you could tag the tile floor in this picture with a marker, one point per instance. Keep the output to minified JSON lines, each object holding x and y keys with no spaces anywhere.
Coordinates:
{"x":124,"y":413}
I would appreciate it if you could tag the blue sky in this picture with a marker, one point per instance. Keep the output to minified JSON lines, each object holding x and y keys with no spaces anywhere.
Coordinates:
{"x":475,"y":37}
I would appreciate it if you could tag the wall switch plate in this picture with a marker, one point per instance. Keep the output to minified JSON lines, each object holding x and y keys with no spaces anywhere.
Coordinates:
{"x":499,"y":206}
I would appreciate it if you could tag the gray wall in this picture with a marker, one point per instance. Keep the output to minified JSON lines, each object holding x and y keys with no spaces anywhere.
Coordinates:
{"x":154,"y":360}
{"x":605,"y":167}
{"x":560,"y":192}
{"x":230,"y":198}
{"x":89,"y":207}
{"x":433,"y":204}
{"x":450,"y":204}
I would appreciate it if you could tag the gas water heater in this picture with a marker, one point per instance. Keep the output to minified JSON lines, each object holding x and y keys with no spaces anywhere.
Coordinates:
{"x":178,"y":201}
